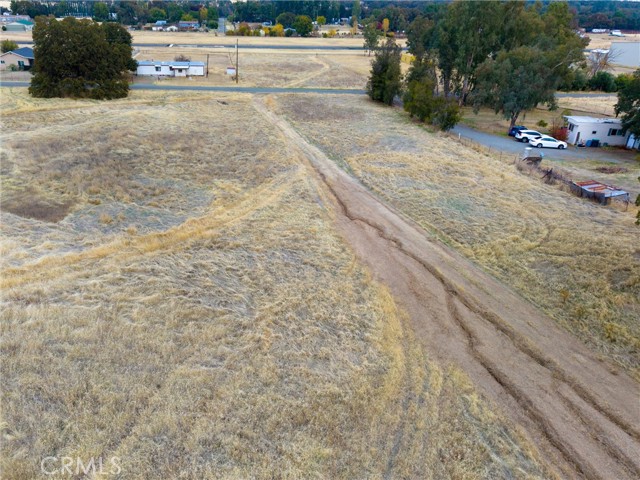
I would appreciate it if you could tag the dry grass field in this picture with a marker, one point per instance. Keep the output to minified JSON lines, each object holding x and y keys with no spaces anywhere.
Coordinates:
{"x":175,"y":294}
{"x":269,"y":68}
{"x":579,"y":262}
{"x":603,"y":40}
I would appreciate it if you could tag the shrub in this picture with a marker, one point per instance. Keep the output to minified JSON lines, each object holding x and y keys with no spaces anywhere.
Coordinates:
{"x":603,"y":81}
{"x":559,"y":132}
{"x":542,"y":124}
{"x":418,"y":100}
{"x":8,"y":46}
{"x":447,"y":114}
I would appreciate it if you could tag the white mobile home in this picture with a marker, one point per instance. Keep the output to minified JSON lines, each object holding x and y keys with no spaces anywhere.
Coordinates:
{"x":592,"y":131}
{"x":170,"y":69}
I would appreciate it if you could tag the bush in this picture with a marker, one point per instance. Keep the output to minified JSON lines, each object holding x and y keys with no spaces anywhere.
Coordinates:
{"x":447,"y":114}
{"x":8,"y":46}
{"x":603,"y":81}
{"x":542,"y":124}
{"x":181,"y":58}
{"x":559,"y":132}
{"x":419,"y":101}
{"x":575,"y":81}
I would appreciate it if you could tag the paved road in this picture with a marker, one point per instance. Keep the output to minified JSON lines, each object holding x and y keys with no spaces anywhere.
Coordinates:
{"x":585,"y":95}
{"x":205,"y":88}
{"x":248,"y":46}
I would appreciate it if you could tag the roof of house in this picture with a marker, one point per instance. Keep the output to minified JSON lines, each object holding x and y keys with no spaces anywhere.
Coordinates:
{"x":25,"y":52}
{"x":152,"y":63}
{"x":24,"y":22}
{"x":577,"y":120}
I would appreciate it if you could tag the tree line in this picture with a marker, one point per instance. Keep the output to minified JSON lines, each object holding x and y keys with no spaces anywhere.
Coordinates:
{"x":624,"y":15}
{"x":508,"y":56}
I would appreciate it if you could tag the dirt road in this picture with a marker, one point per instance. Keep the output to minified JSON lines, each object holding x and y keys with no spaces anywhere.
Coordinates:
{"x":582,"y":413}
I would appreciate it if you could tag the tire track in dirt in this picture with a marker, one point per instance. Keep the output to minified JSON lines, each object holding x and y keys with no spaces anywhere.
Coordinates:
{"x":325,"y":67}
{"x":513,"y":353}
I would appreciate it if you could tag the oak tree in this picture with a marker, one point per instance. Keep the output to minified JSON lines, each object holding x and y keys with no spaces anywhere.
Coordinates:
{"x":80,"y":58}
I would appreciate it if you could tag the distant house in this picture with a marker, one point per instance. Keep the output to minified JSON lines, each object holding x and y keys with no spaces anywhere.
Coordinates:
{"x":188,"y":25}
{"x":170,"y":69}
{"x":6,"y":18}
{"x":19,"y":26}
{"x":22,"y":58}
{"x":592,"y":131}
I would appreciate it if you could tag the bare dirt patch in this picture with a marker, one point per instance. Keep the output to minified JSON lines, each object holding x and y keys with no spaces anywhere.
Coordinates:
{"x":30,"y":205}
{"x":612,"y":169}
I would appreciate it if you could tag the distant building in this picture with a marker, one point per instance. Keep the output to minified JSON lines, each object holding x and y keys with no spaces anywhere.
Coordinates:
{"x":625,"y":54}
{"x":19,"y":26}
{"x":222,"y":25}
{"x":592,"y":131}
{"x":633,"y":142}
{"x":22,"y":59}
{"x":187,"y":25}
{"x":170,"y":69}
{"x":6,"y":18}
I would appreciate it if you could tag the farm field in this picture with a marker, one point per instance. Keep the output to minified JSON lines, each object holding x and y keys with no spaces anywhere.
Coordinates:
{"x":161,"y":305}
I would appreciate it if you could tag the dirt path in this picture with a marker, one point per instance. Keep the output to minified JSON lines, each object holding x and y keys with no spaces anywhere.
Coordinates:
{"x":582,"y":413}
{"x":324,"y":68}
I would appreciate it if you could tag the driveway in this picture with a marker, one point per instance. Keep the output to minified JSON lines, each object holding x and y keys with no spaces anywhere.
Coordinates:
{"x":511,"y":145}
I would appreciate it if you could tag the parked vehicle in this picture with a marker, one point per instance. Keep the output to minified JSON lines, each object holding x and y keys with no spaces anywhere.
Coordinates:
{"x":616,"y":33}
{"x":548,"y":142}
{"x":526,"y":135}
{"x":516,"y":129}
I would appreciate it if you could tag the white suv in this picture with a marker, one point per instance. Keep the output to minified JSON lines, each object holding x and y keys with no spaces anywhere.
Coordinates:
{"x":526,"y":135}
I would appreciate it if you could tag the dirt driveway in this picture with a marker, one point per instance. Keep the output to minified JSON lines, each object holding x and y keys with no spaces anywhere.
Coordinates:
{"x":580,"y":411}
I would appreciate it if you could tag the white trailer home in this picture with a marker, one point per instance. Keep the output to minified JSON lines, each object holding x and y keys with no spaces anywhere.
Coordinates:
{"x":170,"y":69}
{"x":595,"y":132}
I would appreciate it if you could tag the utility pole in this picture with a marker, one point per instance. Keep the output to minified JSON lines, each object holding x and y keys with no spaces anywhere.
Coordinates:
{"x":237,"y":71}
{"x":207,"y":64}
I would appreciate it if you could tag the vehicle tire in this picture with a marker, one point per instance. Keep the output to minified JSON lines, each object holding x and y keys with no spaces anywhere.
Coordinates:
{"x":539,"y":145}
{"x":525,"y":140}
{"x":560,"y":147}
